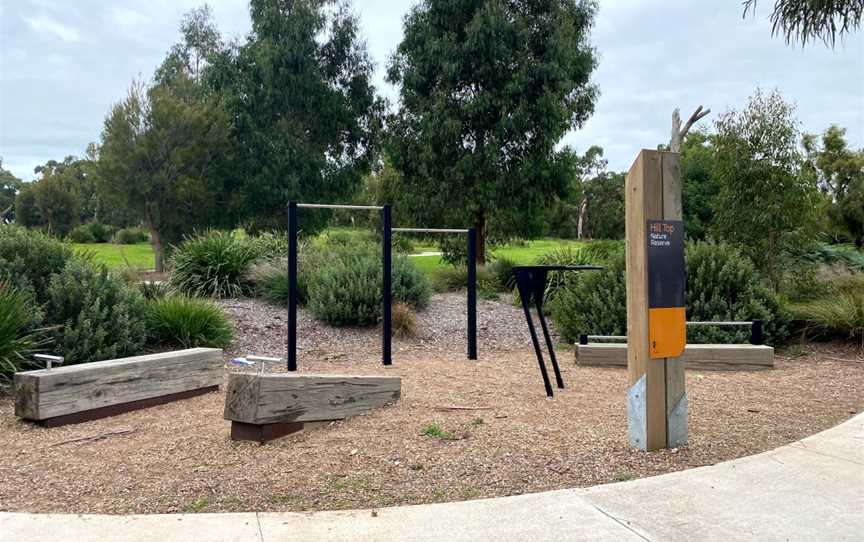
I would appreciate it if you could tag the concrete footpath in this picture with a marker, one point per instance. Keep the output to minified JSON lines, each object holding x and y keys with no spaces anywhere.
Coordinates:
{"x":810,"y":490}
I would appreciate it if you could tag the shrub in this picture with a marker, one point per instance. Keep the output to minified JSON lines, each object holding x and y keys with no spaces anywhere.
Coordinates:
{"x":152,"y":289}
{"x":19,"y":338}
{"x":335,"y":238}
{"x":838,"y":313}
{"x":502,"y":270}
{"x":597,"y":253}
{"x":92,"y":232}
{"x":269,"y":245}
{"x":404,"y":320}
{"x":94,"y":314}
{"x":593,"y":302}
{"x":28,"y":258}
{"x":130,"y":236}
{"x":449,"y":278}
{"x":81,"y":234}
{"x":187,"y":322}
{"x":346,"y":287}
{"x":213,"y":264}
{"x":722,"y":284}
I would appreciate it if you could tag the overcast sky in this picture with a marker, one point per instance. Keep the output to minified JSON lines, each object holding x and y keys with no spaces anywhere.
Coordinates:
{"x":63,"y":63}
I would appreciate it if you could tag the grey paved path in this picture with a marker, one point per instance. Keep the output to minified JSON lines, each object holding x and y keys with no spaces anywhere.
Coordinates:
{"x":809,"y":490}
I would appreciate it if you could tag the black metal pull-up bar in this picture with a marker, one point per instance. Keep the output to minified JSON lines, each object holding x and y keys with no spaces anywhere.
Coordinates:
{"x":472,"y":278}
{"x":387,"y":264}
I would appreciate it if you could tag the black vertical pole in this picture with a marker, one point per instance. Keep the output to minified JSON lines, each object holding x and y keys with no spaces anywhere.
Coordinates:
{"x":386,"y":256}
{"x":472,"y":293}
{"x":292,"y":286}
{"x":756,"y":336}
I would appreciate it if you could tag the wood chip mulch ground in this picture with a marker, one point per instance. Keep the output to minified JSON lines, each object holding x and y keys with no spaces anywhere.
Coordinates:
{"x":179,"y":458}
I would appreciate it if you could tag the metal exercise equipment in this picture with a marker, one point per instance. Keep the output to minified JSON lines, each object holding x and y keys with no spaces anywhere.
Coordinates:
{"x":386,"y":262}
{"x":531,"y":282}
{"x":472,"y":278}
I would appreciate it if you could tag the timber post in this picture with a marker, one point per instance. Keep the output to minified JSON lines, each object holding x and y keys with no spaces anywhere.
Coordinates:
{"x":656,"y":397}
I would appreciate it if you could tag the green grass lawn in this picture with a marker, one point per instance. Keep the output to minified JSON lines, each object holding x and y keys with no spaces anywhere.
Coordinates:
{"x":138,"y":256}
{"x":522,"y":253}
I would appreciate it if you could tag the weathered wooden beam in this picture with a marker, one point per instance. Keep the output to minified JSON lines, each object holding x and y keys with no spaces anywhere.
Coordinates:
{"x":289,"y":397}
{"x":105,"y":388}
{"x":703,"y":357}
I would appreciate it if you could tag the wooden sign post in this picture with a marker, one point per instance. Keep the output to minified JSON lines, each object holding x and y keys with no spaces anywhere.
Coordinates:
{"x":656,"y":327}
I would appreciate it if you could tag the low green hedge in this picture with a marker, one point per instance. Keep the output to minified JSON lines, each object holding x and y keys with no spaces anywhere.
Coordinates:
{"x":187,"y":322}
{"x":722,"y":284}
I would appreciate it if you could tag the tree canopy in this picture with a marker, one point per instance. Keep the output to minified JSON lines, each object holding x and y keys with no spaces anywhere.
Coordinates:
{"x":303,"y":109}
{"x":803,"y":20}
{"x":488,"y":88}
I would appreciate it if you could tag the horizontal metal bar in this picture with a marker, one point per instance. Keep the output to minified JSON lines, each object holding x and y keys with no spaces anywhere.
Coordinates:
{"x":429,"y":230}
{"x":46,"y":357}
{"x":335,"y":206}
{"x":720,"y":324}
{"x":263,"y":358}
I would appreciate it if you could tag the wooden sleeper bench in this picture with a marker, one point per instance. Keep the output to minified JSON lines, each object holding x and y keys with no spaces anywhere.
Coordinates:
{"x":89,"y":391}
{"x":267,"y":406}
{"x":705,"y":357}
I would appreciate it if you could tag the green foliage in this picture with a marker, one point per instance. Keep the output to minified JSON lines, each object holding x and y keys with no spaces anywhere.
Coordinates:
{"x":434,"y":430}
{"x":449,"y":278}
{"x":91,"y":232}
{"x":95,"y":314}
{"x":764,"y":204}
{"x":346,"y":289}
{"x":28,"y":259}
{"x":840,"y":312}
{"x":604,"y":214}
{"x":802,"y":20}
{"x":270,"y":280}
{"x":722,"y":285}
{"x":502,"y":270}
{"x":593,"y":254}
{"x":306,"y":118}
{"x":19,"y":338}
{"x":131,"y":236}
{"x":487,"y":91}
{"x":593,"y":302}
{"x":10,"y":185}
{"x":163,"y":155}
{"x":187,"y":322}
{"x":213,"y":264}
{"x":698,"y":187}
{"x":839,"y":171}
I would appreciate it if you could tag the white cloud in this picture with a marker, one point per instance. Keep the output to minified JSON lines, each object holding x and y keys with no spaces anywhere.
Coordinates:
{"x":129,"y":18}
{"x":43,"y":23}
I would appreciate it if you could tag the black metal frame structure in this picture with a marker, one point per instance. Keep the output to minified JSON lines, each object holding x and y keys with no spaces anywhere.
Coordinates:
{"x":472,"y":278}
{"x":531,"y":282}
{"x":386,"y":262}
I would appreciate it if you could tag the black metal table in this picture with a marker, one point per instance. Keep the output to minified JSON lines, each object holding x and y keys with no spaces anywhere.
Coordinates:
{"x":531,"y":282}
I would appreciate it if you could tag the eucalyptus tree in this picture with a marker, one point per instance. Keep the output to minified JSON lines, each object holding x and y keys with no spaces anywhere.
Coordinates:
{"x":803,"y":20}
{"x":488,"y":88}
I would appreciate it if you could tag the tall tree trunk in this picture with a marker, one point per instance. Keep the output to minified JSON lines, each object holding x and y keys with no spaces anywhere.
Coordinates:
{"x":481,"y":237}
{"x":155,"y":240}
{"x":580,"y":225}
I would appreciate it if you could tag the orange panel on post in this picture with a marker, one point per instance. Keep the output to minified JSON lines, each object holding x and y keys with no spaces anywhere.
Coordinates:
{"x":667,"y":332}
{"x":667,"y":317}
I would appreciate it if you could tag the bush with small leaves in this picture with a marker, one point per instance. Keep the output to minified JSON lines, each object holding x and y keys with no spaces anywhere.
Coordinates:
{"x":346,"y":287}
{"x":722,"y":285}
{"x":131,"y":236}
{"x":28,"y":258}
{"x":187,"y":322}
{"x":92,"y":314}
